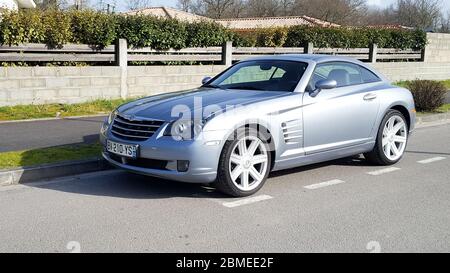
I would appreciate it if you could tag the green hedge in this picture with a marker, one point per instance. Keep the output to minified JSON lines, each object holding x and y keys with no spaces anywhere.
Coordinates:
{"x":56,"y":28}
{"x":355,"y":37}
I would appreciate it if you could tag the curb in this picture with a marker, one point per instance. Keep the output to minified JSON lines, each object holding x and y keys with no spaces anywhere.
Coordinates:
{"x":49,"y":171}
{"x":432,"y":120}
{"x":51,"y":119}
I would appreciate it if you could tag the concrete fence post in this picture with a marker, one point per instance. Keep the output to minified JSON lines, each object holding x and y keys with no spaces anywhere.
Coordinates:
{"x":373,"y":48}
{"x":309,"y":48}
{"x":227,"y":53}
{"x":121,"y":53}
{"x":423,"y":54}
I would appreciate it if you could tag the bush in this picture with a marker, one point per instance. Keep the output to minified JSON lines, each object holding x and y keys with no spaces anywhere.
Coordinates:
{"x":93,"y":28}
{"x":23,"y":27}
{"x":428,"y":95}
{"x":298,"y":36}
{"x":57,"y":26}
{"x":271,"y":37}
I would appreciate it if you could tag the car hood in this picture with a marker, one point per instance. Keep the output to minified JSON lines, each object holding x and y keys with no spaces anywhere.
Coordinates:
{"x":160,"y":107}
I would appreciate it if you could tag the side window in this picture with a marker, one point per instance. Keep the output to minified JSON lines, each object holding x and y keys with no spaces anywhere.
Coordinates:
{"x":345,"y":74}
{"x":368,"y":76}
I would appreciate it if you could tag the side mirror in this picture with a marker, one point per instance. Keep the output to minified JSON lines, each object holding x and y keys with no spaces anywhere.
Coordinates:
{"x":205,"y":80}
{"x":323,"y":85}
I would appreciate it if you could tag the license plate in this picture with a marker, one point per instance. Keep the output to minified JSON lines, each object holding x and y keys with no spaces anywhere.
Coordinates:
{"x":122,"y":149}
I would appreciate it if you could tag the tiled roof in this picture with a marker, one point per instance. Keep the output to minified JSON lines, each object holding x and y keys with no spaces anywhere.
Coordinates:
{"x":234,"y":23}
{"x":167,"y":12}
{"x":267,"y":22}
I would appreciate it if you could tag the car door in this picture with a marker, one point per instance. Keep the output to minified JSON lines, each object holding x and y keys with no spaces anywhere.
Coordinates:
{"x":343,"y":116}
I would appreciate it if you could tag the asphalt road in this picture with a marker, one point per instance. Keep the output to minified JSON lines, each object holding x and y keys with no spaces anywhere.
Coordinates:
{"x":48,"y":133}
{"x":406,"y":209}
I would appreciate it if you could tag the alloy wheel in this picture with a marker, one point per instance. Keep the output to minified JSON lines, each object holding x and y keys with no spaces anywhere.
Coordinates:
{"x":248,"y":163}
{"x":394,"y":138}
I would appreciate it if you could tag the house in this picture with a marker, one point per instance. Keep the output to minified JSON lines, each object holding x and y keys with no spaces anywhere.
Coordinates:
{"x":16,"y":4}
{"x":250,"y":24}
{"x":236,"y":24}
{"x":170,"y":13}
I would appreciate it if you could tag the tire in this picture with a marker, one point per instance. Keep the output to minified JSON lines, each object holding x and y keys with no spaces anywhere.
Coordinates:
{"x":233,"y":161}
{"x":383,"y":153}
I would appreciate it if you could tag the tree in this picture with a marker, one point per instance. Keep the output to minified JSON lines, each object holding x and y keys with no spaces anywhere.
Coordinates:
{"x":422,"y":14}
{"x":184,"y":5}
{"x":263,"y":8}
{"x":285,"y":7}
{"x":380,"y":16}
{"x":335,"y":11}
{"x":80,"y":4}
{"x":217,"y":8}
{"x":137,"y":4}
{"x":51,"y":4}
{"x":445,"y":23}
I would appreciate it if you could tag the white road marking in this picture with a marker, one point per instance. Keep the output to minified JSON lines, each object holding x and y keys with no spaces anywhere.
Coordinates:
{"x":383,"y":171}
{"x":431,"y":160}
{"x":324,"y":184}
{"x":246,"y":201}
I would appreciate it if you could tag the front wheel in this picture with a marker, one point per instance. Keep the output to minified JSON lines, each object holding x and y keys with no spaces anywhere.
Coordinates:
{"x":244,"y":164}
{"x":391,"y":140}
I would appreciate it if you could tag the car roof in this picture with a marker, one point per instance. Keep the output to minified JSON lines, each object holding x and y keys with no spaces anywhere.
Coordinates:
{"x":318,"y":58}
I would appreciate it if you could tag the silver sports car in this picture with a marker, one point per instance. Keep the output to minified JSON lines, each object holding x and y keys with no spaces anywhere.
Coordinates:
{"x":261,"y":115}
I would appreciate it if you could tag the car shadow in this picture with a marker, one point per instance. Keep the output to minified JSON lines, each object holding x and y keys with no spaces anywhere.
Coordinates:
{"x":348,"y":161}
{"x":133,"y":186}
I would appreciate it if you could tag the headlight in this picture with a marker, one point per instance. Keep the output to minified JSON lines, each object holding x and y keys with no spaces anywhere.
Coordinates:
{"x":184,"y":129}
{"x":112,"y":116}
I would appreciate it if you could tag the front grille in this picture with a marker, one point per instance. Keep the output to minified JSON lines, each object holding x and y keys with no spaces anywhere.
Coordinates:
{"x":134,"y":130}
{"x":141,"y":162}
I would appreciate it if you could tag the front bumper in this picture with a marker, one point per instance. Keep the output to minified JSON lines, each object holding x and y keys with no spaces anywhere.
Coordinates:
{"x":202,"y":156}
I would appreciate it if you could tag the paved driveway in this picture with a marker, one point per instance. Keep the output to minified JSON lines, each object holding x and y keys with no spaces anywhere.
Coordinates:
{"x":41,"y":134}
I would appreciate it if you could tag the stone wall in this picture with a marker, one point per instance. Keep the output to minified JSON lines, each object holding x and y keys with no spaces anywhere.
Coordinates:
{"x":38,"y":85}
{"x":41,"y":85}
{"x":411,"y":71}
{"x":438,"y":48}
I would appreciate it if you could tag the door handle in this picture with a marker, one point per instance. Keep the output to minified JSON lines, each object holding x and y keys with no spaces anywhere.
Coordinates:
{"x":370,"y":96}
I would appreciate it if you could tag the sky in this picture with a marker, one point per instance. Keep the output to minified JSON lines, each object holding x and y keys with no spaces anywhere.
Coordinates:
{"x":173,"y":3}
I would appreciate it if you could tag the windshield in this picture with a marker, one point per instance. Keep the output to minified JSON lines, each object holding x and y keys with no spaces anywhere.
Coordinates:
{"x":261,"y":75}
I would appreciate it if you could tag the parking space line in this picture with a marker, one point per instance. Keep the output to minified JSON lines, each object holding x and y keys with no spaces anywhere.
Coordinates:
{"x":431,"y":160}
{"x":246,"y":201}
{"x":383,"y":171}
{"x":324,"y":184}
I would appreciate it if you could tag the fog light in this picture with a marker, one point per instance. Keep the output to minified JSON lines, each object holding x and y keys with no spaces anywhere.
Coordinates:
{"x":183,"y":166}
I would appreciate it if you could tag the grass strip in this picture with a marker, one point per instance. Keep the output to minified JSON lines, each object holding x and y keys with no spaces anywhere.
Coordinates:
{"x":49,"y":155}
{"x":20,"y":112}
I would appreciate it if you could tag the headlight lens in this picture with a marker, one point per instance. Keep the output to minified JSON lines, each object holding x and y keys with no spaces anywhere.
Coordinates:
{"x":184,"y":129}
{"x":112,"y":116}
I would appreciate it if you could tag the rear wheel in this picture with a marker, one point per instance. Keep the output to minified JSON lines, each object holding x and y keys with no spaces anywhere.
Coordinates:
{"x":391,"y":140}
{"x":244,"y":164}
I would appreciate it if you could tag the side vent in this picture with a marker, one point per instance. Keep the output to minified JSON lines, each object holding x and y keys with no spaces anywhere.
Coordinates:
{"x":292,"y":131}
